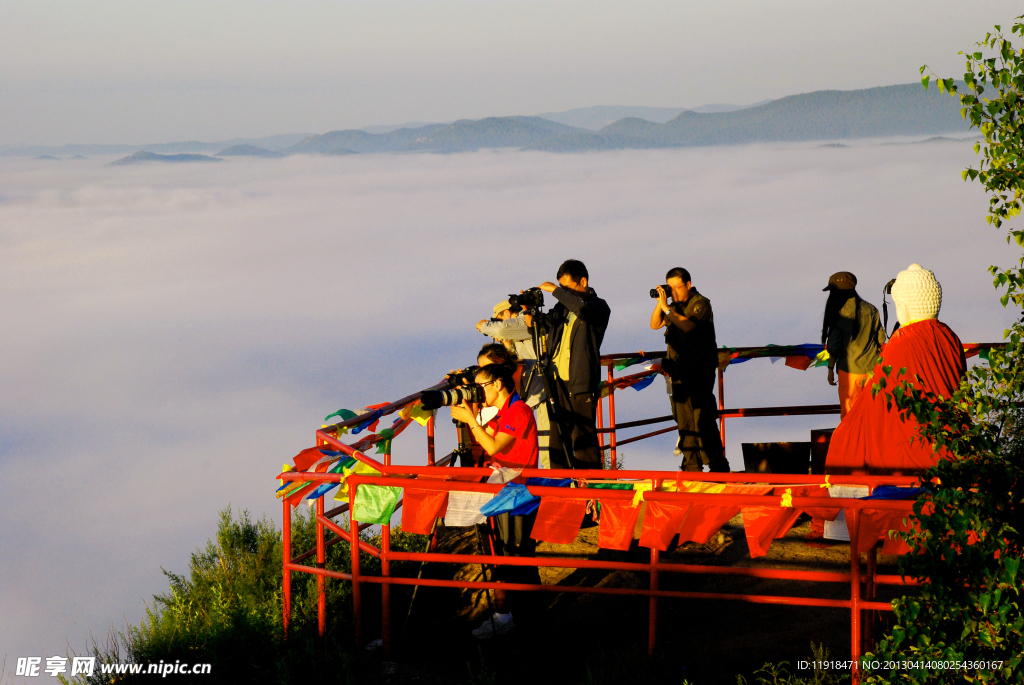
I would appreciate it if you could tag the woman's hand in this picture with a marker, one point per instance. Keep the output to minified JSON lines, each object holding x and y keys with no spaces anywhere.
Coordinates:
{"x":831,"y":376}
{"x":463,"y":413}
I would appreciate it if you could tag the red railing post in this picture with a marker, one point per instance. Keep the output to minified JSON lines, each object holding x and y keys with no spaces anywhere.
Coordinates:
{"x":357,"y":600}
{"x":613,"y":459}
{"x":385,"y":571}
{"x":600,"y":422}
{"x":321,"y":563}
{"x":286,"y":544}
{"x":869,"y":594}
{"x":652,"y":606}
{"x":430,"y":441}
{"x":721,"y":406}
{"x":853,"y":526}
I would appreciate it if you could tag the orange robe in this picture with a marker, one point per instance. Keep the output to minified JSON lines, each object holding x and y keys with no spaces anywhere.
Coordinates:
{"x":874,"y":440}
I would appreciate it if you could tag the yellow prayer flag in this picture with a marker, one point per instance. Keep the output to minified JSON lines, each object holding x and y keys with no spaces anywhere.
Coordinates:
{"x":358,"y":468}
{"x":638,"y":492}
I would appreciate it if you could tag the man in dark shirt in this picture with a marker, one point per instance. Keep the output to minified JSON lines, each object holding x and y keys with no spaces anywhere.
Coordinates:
{"x":691,"y":364}
{"x":577,"y":326}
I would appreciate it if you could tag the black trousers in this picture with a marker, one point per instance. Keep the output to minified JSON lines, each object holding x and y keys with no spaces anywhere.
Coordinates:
{"x":577,"y":414}
{"x":696,"y":413}
{"x":512,"y":539}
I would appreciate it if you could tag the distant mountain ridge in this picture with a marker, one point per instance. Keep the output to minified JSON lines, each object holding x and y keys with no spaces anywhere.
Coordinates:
{"x":267,"y":142}
{"x":597,"y":117}
{"x":459,"y":136}
{"x":821,"y":115}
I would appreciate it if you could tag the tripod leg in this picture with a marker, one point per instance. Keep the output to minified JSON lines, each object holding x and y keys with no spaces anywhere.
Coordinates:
{"x":554,"y":411}
{"x":415,"y":588}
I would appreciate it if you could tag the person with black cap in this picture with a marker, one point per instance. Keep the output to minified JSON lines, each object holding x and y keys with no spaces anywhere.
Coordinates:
{"x":853,"y":335}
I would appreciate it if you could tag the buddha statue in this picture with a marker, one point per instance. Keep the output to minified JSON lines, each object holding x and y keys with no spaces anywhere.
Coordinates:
{"x":872,"y":438}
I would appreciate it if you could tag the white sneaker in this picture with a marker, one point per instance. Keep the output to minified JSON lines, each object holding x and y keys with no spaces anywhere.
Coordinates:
{"x":497,"y":624}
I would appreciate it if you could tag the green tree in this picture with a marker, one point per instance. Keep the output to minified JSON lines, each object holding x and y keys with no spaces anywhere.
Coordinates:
{"x":968,"y":541}
{"x":226,"y":611}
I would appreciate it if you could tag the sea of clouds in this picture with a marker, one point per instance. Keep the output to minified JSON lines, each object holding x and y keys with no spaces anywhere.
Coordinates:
{"x":172,"y":334}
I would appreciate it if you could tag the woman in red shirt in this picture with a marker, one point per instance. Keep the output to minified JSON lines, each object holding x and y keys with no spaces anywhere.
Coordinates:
{"x":510,"y":440}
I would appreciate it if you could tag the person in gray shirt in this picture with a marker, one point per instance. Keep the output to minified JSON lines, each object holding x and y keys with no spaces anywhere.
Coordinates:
{"x":853,"y":335}
{"x":511,"y":330}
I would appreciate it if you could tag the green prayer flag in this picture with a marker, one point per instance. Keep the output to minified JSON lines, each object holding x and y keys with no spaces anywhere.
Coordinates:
{"x":611,"y":486}
{"x":387,"y":435}
{"x":375,"y":503}
{"x":343,"y":414}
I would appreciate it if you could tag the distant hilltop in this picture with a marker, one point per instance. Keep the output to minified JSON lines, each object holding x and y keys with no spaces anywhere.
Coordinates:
{"x":821,"y":115}
{"x":144,"y":157}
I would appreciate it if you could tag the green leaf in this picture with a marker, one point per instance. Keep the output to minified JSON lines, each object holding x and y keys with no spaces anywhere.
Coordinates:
{"x":925,"y":80}
{"x":1012,"y":565}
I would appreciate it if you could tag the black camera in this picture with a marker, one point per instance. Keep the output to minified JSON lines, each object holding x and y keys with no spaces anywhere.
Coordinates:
{"x":534,"y":297}
{"x":461,"y":387}
{"x":470,"y":392}
{"x":654,"y":291}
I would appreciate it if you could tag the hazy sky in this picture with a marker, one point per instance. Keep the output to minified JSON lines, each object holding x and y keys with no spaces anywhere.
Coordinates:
{"x":172,"y":334}
{"x":124,"y":71}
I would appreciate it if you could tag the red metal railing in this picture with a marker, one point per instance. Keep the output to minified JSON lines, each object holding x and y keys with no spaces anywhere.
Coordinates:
{"x":401,"y":476}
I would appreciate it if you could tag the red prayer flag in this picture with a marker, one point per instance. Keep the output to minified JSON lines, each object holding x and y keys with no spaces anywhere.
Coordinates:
{"x":705,"y":520}
{"x":618,"y":519}
{"x":421,"y":508}
{"x":875,"y":525}
{"x":799,"y":361}
{"x":661,"y":523}
{"x":307,"y":457}
{"x":559,"y":520}
{"x":824,"y":513}
{"x":296,"y":497}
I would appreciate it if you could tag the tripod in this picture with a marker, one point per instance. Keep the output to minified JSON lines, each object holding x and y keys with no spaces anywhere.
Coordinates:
{"x":540,"y":325}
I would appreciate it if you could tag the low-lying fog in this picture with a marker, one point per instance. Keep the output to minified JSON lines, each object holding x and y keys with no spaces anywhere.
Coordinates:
{"x":172,"y":334}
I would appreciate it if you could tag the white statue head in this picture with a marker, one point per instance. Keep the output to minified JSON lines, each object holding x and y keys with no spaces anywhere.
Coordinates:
{"x":917,"y":295}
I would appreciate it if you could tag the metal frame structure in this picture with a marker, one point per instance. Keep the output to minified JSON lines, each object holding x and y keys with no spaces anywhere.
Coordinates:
{"x":863,"y":582}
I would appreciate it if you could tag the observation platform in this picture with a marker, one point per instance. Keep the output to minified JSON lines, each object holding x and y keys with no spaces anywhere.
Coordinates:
{"x":654,"y":526}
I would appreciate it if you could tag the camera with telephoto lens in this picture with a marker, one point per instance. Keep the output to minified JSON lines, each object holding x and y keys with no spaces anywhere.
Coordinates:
{"x":654,"y":291}
{"x":462,"y":388}
{"x":534,"y":297}
{"x":471,"y":392}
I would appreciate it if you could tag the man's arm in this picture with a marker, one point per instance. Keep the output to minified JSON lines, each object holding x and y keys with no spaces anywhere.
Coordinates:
{"x":679,"y":321}
{"x":833,"y":345}
{"x":593,"y":310}
{"x":511,"y":329}
{"x":657,"y":317}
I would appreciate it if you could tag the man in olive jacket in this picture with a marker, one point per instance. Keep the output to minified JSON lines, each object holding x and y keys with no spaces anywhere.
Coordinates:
{"x":577,"y":326}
